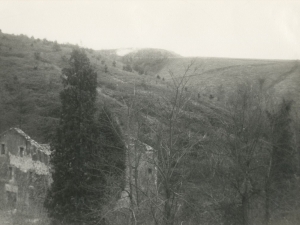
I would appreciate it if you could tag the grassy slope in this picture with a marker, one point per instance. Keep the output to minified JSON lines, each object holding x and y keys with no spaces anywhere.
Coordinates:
{"x":20,"y":81}
{"x":30,"y":86}
{"x":29,"y":97}
{"x":32,"y":95}
{"x":213,"y":72}
{"x":214,"y":76}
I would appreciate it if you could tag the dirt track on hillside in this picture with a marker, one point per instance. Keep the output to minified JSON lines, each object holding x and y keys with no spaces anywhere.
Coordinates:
{"x":284,"y":75}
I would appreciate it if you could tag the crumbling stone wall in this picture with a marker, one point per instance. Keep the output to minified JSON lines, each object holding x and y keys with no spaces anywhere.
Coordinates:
{"x":24,"y":174}
{"x":141,"y":173}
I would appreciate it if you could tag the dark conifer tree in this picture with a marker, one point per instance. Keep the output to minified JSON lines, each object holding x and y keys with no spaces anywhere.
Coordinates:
{"x":112,"y":145}
{"x":70,"y":198}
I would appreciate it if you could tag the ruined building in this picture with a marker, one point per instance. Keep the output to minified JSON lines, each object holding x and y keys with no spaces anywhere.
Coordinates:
{"x":24,"y":174}
{"x":141,"y":173}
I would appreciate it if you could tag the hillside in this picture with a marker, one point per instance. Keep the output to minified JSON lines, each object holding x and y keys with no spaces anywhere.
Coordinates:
{"x":177,"y":106}
{"x":146,"y":61}
{"x":31,"y":68}
{"x":215,"y":76}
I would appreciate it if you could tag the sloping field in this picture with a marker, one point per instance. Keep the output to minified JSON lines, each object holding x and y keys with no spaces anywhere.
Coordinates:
{"x":30,"y":71}
{"x":209,"y":75}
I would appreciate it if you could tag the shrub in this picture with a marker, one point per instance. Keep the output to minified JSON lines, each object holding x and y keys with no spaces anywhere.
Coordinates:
{"x":90,"y":50}
{"x":139,"y":69}
{"x":127,"y":68}
{"x":45,"y":41}
{"x":64,"y":58}
{"x":37,"y":55}
{"x":56,"y":47}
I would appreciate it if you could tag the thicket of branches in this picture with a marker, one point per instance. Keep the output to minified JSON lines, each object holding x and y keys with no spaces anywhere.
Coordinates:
{"x":239,"y":164}
{"x":234,"y":163}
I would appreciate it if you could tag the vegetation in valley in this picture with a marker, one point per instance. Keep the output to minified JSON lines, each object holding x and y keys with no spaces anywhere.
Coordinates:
{"x":225,"y":132}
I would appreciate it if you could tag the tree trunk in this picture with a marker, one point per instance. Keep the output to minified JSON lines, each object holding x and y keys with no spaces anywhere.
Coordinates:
{"x":245,"y":208}
{"x":167,"y":211}
{"x":267,"y":203}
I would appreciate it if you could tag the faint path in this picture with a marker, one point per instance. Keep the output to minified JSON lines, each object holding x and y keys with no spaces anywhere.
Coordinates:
{"x":118,"y":80}
{"x":283,"y":76}
{"x":230,"y":67}
{"x":100,"y":92}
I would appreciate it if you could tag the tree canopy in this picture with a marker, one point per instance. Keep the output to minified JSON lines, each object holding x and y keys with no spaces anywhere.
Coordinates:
{"x":78,"y":149}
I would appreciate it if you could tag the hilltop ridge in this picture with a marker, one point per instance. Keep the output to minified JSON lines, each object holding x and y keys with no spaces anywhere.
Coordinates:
{"x":30,"y":79}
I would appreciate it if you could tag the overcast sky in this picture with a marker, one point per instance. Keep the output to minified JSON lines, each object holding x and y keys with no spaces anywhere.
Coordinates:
{"x":214,"y":28}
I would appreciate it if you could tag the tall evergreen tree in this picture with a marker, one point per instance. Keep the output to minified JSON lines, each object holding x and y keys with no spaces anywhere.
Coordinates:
{"x":111,"y":143}
{"x":69,"y":198}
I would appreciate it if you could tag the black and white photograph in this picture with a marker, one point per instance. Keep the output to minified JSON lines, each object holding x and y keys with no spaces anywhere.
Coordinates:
{"x":149,"y":112}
